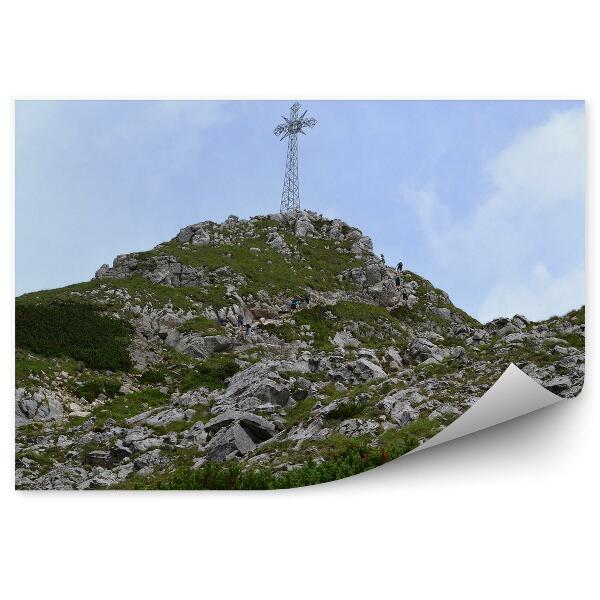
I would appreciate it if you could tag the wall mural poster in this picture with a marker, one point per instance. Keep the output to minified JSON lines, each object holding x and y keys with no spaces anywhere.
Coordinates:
{"x":202,"y":304}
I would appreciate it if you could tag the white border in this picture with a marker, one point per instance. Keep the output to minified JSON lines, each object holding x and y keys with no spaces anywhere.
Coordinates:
{"x":510,"y":512}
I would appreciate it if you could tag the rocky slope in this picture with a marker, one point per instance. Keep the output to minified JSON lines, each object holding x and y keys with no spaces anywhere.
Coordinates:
{"x":141,"y":377}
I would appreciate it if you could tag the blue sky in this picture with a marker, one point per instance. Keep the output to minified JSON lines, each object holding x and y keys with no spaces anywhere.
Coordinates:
{"x":485,"y":199}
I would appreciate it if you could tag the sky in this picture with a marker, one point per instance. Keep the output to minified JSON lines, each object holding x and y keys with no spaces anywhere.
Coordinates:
{"x":486,"y":199}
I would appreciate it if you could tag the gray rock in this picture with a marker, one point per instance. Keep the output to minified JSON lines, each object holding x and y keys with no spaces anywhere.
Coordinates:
{"x":37,"y":405}
{"x":119,"y":453}
{"x":422,"y":350}
{"x":363,"y":245}
{"x":400,"y":406}
{"x":365,"y":370}
{"x":344,"y":339}
{"x":199,"y":346}
{"x":515,"y":338}
{"x":259,"y":428}
{"x":97,"y":458}
{"x":147,"y":463}
{"x":191,"y":398}
{"x":304,"y":228}
{"x":162,"y":417}
{"x":228,"y":442}
{"x":558,"y":384}
{"x":256,"y":385}
{"x":313,"y":431}
{"x":358,"y":427}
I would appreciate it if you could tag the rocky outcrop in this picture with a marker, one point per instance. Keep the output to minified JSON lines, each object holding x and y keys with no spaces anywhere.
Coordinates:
{"x":162,"y":270}
{"x":37,"y":405}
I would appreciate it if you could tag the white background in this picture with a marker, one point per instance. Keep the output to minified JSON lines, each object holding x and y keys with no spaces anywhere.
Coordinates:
{"x":507,"y":513}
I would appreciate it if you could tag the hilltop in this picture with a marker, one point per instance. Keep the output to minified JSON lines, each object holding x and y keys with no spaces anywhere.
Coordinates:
{"x":141,"y":377}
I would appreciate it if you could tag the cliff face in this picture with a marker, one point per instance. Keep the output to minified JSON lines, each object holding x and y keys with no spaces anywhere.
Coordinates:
{"x":143,"y":376}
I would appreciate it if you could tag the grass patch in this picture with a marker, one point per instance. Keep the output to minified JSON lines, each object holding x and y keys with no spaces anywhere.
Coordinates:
{"x":92,"y":388}
{"x":123,"y":407}
{"x":210,"y":373}
{"x":154,"y":376}
{"x":347,"y":410}
{"x":201,"y":325}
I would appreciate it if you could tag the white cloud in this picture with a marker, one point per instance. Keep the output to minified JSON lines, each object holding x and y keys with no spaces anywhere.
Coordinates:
{"x":530,"y":223}
{"x":538,"y":297}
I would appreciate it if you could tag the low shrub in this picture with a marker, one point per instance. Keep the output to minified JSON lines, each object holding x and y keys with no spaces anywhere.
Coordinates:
{"x":211,"y":373}
{"x":218,"y":476}
{"x":75,"y":330}
{"x":92,"y":388}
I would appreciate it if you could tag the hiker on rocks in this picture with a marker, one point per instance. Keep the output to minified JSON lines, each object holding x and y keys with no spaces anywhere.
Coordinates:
{"x":399,"y":267}
{"x":248,"y":329}
{"x":294,"y":304}
{"x":382,"y":258}
{"x":398,"y":281}
{"x":307,"y":299}
{"x":240,"y":323}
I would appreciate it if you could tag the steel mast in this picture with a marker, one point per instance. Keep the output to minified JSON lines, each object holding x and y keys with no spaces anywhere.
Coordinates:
{"x":290,"y":198}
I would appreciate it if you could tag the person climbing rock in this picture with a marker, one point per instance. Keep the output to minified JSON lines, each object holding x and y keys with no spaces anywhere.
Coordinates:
{"x":398,"y":281}
{"x":240,"y":323}
{"x":307,"y":299}
{"x":248,"y":329}
{"x":399,"y":266}
{"x":382,"y":258}
{"x":294,"y":304}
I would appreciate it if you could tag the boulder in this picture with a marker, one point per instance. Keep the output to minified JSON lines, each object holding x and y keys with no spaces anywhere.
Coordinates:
{"x":37,"y":405}
{"x":256,"y":385}
{"x":344,"y":339}
{"x":199,"y":346}
{"x":278,"y":243}
{"x":365,"y":370}
{"x":363,"y":245}
{"x":304,"y":227}
{"x":558,"y":384}
{"x":423,"y":350}
{"x":313,"y":431}
{"x":257,"y":427}
{"x":97,"y":458}
{"x":400,"y":406}
{"x":118,"y":453}
{"x":229,"y":442}
{"x":358,"y":427}
{"x":147,"y":463}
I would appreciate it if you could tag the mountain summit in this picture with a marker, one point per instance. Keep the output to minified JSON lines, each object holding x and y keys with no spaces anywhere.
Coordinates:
{"x":271,"y":352}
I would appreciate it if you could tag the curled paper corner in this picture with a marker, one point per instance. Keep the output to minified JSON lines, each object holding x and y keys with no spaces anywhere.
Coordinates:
{"x":513,"y":395}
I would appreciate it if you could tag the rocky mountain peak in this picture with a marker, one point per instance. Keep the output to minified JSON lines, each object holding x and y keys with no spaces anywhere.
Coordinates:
{"x":266,"y":345}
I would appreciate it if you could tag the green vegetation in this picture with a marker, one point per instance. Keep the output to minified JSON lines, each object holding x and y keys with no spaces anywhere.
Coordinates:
{"x":210,"y":373}
{"x":410,"y":435}
{"x":75,"y":330}
{"x":355,"y":458}
{"x":347,"y":410}
{"x":92,"y":388}
{"x":141,"y":289}
{"x":154,"y":376}
{"x":202,"y":325}
{"x":123,"y":407}
{"x":573,"y":339}
{"x":267,"y":269}
{"x":372,"y":325}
